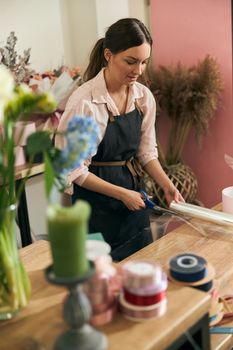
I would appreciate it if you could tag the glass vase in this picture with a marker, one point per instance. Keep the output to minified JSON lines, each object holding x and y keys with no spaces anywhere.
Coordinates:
{"x":14,"y":281}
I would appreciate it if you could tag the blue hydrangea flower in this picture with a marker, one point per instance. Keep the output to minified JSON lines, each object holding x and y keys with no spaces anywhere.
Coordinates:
{"x":82,"y":135}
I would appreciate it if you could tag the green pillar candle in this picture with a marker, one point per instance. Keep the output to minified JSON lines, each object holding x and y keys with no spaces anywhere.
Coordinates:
{"x":67,"y":229}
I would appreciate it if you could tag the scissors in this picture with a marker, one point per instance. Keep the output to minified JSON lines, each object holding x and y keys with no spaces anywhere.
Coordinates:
{"x":151,"y":205}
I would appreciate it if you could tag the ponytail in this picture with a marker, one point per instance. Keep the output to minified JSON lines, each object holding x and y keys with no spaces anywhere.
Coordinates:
{"x":96,"y":61}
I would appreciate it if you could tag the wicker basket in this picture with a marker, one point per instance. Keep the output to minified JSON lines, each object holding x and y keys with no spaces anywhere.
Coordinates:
{"x":181,"y":176}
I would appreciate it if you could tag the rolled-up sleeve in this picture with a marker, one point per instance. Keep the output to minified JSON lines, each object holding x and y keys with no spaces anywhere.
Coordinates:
{"x":148,"y":146}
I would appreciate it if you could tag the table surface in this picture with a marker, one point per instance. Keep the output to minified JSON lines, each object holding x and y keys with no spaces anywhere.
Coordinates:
{"x":38,"y":325}
{"x":23,"y":171}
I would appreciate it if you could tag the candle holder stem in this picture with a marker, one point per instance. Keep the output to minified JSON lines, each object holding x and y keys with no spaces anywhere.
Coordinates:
{"x":76,"y":313}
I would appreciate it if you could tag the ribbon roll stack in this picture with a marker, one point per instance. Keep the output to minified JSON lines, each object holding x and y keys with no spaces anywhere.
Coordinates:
{"x":194,"y":271}
{"x":143,"y":294}
{"x":103,"y":288}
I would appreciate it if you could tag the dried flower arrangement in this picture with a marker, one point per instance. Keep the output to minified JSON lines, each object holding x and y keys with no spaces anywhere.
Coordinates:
{"x":189,"y":96}
{"x":17,"y":64}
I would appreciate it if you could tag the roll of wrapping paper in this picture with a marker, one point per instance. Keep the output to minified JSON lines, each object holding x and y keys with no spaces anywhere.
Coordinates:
{"x":206,"y":214}
{"x":142,"y":313}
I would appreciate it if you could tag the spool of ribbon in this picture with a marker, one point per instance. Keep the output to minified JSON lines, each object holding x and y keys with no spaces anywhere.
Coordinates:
{"x":216,"y":314}
{"x":141,"y":313}
{"x":204,"y":284}
{"x":106,"y":316}
{"x":187,"y":267}
{"x":103,"y":288}
{"x":144,"y":300}
{"x":141,"y":275}
{"x":152,"y":289}
{"x":205,"y":287}
{"x":97,"y":288}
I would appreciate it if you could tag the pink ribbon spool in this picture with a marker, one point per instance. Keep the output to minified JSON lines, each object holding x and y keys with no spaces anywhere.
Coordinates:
{"x":152,"y":289}
{"x":140,"y":275}
{"x":102,"y":289}
{"x":142,"y":313}
{"x":106,"y":316}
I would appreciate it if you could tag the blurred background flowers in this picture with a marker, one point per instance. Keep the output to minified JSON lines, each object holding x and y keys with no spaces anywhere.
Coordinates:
{"x":60,"y":81}
{"x":19,"y":104}
{"x":15,"y":101}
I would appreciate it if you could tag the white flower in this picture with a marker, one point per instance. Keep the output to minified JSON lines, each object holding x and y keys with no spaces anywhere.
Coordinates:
{"x":6,"y":88}
{"x":6,"y":84}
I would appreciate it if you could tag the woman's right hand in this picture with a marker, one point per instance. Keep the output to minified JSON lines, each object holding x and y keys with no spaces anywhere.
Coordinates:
{"x":132,"y":200}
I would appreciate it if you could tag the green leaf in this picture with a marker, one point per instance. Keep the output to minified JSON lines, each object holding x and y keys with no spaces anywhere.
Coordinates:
{"x":49,"y":175}
{"x":38,"y":142}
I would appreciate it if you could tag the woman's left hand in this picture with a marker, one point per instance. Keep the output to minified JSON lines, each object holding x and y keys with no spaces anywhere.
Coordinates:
{"x":172,"y":194}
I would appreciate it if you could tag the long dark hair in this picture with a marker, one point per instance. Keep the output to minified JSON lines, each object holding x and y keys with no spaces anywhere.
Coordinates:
{"x":120,"y":36}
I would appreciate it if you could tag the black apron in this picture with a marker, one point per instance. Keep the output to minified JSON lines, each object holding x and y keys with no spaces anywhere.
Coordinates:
{"x":126,"y":231}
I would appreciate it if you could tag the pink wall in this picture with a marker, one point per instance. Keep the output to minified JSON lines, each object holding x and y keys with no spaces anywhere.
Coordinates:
{"x":186,"y":31}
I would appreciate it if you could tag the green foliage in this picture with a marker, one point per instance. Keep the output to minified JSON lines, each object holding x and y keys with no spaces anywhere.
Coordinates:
{"x":38,"y":142}
{"x":49,"y":174}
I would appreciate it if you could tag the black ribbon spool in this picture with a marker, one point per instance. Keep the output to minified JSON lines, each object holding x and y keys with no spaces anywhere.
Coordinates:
{"x":187,"y":267}
{"x":205,"y":287}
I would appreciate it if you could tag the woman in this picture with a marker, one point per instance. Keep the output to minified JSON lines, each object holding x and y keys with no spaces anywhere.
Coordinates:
{"x":125,"y":112}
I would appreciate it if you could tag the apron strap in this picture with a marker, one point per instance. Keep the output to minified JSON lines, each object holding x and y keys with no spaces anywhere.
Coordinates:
{"x":127,"y":163}
{"x":112,"y":118}
{"x":138,"y":107}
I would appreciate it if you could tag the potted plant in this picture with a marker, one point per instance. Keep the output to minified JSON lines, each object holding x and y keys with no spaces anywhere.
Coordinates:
{"x":189,"y":96}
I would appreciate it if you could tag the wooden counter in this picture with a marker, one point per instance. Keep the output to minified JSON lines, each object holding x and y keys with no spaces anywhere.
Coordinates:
{"x":38,"y":325}
{"x":41,"y":322}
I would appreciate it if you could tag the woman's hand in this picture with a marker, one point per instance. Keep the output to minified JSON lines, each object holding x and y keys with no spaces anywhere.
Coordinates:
{"x":172,"y":194}
{"x":155,"y":170}
{"x":132,"y":200}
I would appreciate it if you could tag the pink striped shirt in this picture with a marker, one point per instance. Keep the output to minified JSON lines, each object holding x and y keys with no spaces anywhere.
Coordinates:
{"x":92,"y":99}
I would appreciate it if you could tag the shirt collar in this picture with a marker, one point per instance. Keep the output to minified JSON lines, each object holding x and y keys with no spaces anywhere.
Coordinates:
{"x":99,"y":89}
{"x":100,"y":92}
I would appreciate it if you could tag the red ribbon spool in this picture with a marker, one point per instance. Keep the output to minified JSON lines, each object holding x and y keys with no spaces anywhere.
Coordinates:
{"x":144,"y":300}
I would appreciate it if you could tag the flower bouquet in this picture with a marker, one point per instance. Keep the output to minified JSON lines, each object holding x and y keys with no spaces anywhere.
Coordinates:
{"x":61,"y":83}
{"x":15,"y":101}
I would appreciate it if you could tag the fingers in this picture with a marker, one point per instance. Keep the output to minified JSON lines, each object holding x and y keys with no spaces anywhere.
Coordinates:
{"x":178,"y":197}
{"x":133,"y":201}
{"x":175,"y":195}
